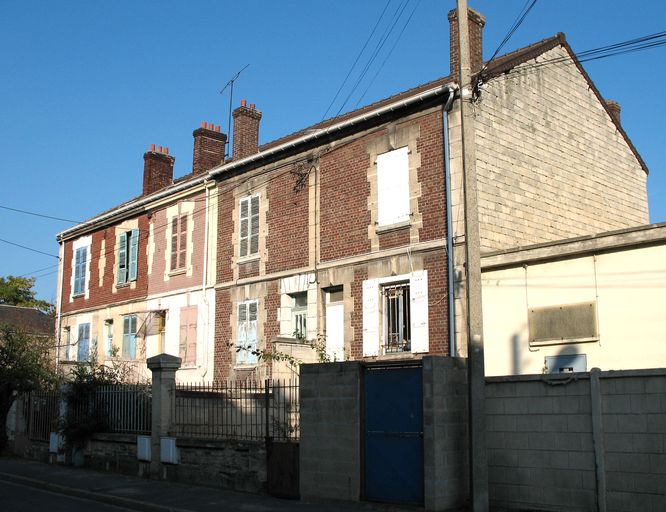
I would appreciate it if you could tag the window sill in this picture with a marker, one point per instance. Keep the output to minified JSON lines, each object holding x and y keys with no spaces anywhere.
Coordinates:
{"x":177,"y":272}
{"x":78,"y":295}
{"x":248,"y":259}
{"x":123,"y":285}
{"x":393,"y":227}
{"x":545,"y":343}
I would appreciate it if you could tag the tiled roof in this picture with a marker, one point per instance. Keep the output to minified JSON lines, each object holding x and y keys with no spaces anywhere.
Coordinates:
{"x":30,"y":320}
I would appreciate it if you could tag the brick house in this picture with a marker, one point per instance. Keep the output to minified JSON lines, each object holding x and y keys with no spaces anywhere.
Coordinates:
{"x":353,"y":227}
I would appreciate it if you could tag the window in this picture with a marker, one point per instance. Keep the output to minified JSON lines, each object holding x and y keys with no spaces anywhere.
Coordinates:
{"x":128,"y":251}
{"x":178,"y":242}
{"x":249,"y":226}
{"x":129,"y":337}
{"x":299,"y":313}
{"x":393,"y":187}
{"x":397,"y":326}
{"x":335,"y":324}
{"x":80,"y":260}
{"x":108,"y":338}
{"x":67,"y":334}
{"x":188,"y":335}
{"x":83,"y":349}
{"x":246,"y":342}
{"x":160,"y":319}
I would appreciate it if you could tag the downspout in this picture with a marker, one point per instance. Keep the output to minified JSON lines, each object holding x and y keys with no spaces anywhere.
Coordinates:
{"x":61,"y":271}
{"x":449,"y":226}
{"x":204,"y":278}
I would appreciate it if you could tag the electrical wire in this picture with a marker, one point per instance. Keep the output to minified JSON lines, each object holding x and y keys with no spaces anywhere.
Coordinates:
{"x":39,"y":270}
{"x":39,"y":214}
{"x":29,"y":248}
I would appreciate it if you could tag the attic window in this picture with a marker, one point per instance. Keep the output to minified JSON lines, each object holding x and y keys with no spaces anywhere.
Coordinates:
{"x":565,"y":323}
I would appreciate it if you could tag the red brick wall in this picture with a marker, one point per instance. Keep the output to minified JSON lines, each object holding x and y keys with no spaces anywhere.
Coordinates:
{"x":222,"y":359}
{"x":209,"y":149}
{"x":431,"y":177}
{"x":287,"y":220}
{"x":360,"y":275}
{"x":246,"y":132}
{"x":438,"y":305}
{"x":100,"y":296}
{"x":396,"y":238}
{"x":248,"y":269}
{"x":225,"y":234}
{"x":157,"y":171}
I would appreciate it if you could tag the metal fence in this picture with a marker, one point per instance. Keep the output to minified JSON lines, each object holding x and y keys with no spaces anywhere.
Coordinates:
{"x":237,"y":410}
{"x":43,"y":411}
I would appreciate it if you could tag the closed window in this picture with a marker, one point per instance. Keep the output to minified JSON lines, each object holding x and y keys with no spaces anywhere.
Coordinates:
{"x":299,"y":314}
{"x":80,"y":261}
{"x":67,"y":335}
{"x":129,"y":336}
{"x":335,"y":324}
{"x":188,"y":335}
{"x":393,"y":187}
{"x":83,"y":348}
{"x":108,"y":338}
{"x":178,"y":242}
{"x":128,"y":251}
{"x":249,"y":226}
{"x":246,"y":342}
{"x":397,"y":326}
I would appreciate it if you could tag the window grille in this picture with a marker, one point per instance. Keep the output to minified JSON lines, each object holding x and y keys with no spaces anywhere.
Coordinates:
{"x":397,"y":331}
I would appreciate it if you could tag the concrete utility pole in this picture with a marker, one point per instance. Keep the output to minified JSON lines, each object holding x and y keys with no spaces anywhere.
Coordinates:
{"x":475,"y":370}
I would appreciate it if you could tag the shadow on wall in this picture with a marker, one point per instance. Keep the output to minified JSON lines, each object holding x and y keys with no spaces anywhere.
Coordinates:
{"x":567,"y":359}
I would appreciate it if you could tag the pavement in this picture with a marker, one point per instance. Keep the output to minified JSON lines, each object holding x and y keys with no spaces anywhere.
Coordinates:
{"x":136,"y":493}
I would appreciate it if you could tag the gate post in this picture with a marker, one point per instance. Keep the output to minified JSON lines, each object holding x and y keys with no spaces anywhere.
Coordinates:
{"x":164,"y":367}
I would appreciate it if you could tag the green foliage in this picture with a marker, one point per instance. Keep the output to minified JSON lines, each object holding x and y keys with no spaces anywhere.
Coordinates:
{"x":24,"y":366}
{"x":17,"y":291}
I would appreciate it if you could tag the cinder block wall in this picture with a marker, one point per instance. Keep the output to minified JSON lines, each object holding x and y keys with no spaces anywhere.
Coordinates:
{"x":541,"y":441}
{"x":330,"y":446}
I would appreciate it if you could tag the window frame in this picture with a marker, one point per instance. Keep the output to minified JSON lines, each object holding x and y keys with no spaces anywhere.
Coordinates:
{"x":129,"y":336}
{"x":299,"y":315}
{"x":83,"y":350}
{"x":108,"y":337}
{"x":251,"y":239}
{"x":245,"y":330}
{"x":80,"y":270}
{"x":178,"y":257}
{"x":403,"y":312}
{"x":127,"y":257}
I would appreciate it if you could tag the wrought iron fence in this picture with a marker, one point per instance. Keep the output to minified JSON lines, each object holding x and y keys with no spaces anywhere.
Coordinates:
{"x":43,"y":411}
{"x":237,"y":410}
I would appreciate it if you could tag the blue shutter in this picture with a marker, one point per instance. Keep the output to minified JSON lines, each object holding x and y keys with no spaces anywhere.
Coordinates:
{"x":133,"y":254}
{"x":80,"y":270}
{"x":83,"y":349}
{"x":122,"y":258}
{"x":129,"y":337}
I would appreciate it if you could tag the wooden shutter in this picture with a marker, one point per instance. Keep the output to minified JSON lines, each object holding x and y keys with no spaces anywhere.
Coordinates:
{"x":418,"y":285}
{"x":188,"y":335}
{"x":122,"y":258}
{"x":335,"y":329}
{"x":83,"y":349}
{"x":182,"y":247}
{"x":129,"y":336}
{"x":244,"y":227}
{"x":80,"y":270}
{"x":174,"y":243}
{"x":370,"y":317}
{"x":393,"y":187}
{"x":254,"y":225}
{"x":241,"y":334}
{"x":252,"y":332}
{"x":133,"y":254}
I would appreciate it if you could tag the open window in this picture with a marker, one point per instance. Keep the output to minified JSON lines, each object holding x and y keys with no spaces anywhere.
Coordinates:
{"x":396,"y":309}
{"x":128,"y":251}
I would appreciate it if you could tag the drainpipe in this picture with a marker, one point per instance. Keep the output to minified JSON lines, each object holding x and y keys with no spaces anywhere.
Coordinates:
{"x":449,"y":226}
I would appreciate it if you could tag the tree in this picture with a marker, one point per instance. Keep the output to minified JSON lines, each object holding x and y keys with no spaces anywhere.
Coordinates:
{"x":18,"y":291}
{"x":24,"y":366}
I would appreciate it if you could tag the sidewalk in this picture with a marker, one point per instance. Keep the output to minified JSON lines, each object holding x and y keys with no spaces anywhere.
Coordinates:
{"x":156,"y":496}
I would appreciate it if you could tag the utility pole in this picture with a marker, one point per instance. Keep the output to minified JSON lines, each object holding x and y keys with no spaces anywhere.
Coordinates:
{"x":478,"y":457}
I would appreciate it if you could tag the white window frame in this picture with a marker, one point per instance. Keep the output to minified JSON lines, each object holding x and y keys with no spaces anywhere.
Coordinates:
{"x":127,"y":256}
{"x":246,"y":332}
{"x":80,"y":272}
{"x":299,"y":315}
{"x":248,"y":244}
{"x":393,"y":204}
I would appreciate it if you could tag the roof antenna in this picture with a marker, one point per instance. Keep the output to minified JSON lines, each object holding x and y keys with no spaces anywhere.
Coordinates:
{"x":230,"y":84}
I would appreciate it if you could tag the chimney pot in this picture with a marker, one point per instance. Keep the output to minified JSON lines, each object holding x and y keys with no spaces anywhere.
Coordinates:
{"x":152,"y":147}
{"x":159,"y":149}
{"x":166,"y":151}
{"x":243,"y":103}
{"x":615,"y":109}
{"x":203,"y":124}
{"x":252,"y":106}
{"x":210,"y":126}
{"x":217,"y":128}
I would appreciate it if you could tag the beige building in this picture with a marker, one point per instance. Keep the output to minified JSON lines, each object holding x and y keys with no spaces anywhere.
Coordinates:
{"x":573,"y":305}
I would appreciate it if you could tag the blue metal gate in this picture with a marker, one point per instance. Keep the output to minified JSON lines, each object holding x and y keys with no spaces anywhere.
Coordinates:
{"x":393,"y":434}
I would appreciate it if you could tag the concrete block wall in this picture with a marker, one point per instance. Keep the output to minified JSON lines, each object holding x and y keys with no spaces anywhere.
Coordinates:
{"x":546,"y":450}
{"x":330,"y":446}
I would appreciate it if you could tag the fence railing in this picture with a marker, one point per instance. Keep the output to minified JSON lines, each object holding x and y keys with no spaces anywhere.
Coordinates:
{"x":42,"y":409}
{"x":237,"y":410}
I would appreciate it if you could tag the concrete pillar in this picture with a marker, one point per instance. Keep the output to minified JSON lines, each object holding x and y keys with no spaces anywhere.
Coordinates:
{"x":164,"y":367}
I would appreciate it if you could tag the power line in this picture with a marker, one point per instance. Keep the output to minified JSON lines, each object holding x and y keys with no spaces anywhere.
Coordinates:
{"x":40,"y":215}
{"x":356,"y":60}
{"x":29,"y":248}
{"x":38,"y":270}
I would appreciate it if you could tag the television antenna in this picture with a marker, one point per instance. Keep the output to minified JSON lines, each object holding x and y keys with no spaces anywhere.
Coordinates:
{"x":230,"y":85}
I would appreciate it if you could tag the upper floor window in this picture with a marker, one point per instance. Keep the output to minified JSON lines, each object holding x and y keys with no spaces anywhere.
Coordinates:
{"x":178,"y":242}
{"x":83,"y":349}
{"x":80,"y":261}
{"x":393,"y":187}
{"x":249,"y":226}
{"x":246,"y":342}
{"x":129,"y":336}
{"x":128,"y":251}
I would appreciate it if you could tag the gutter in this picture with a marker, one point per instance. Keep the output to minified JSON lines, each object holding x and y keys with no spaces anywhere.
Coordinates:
{"x":214,"y":173}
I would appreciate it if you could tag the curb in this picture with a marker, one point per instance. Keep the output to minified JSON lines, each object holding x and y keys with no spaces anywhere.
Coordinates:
{"x":108,"y":499}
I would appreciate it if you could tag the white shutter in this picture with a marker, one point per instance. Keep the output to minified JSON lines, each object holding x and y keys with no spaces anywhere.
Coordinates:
{"x":393,"y":187}
{"x":418,"y":289}
{"x":335,"y":326}
{"x":370,"y":317}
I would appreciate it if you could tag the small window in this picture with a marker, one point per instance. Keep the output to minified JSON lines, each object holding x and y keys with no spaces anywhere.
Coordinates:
{"x":299,"y":314}
{"x":129,"y":336}
{"x":249,"y":226}
{"x":80,"y":261}
{"x":83,"y":348}
{"x":160,"y":325}
{"x":178,"y":242}
{"x":188,"y":335}
{"x":393,"y":187}
{"x":246,"y":342}
{"x":108,"y":338}
{"x":67,"y":335}
{"x":397,"y":330}
{"x":128,"y":252}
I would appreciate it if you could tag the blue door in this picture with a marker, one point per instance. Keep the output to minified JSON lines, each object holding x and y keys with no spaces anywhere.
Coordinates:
{"x":393,"y":440}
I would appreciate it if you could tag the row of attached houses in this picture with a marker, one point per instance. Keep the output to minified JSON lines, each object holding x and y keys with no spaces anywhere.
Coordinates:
{"x":350,"y":230}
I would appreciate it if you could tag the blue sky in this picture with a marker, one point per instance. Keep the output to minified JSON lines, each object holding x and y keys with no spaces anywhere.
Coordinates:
{"x":87,"y":86}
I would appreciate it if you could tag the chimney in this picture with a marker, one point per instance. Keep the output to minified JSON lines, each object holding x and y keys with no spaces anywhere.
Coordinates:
{"x":476,"y":23}
{"x":246,"y":130}
{"x":209,"y":147}
{"x":157,"y":169}
{"x":614,"y":108}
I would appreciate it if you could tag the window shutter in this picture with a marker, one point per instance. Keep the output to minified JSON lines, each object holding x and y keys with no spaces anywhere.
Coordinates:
{"x":192,"y":336}
{"x":393,"y":187}
{"x":182,"y":248}
{"x":132,"y":340}
{"x":241,"y":334}
{"x":252,"y":333}
{"x":254,"y":225}
{"x":83,"y":349}
{"x":122,"y":258}
{"x":174,"y":243}
{"x":418,"y":285}
{"x":80,"y":270}
{"x":182,"y":345}
{"x":126,"y":337}
{"x":133,"y":254}
{"x":370,"y":317}
{"x":244,"y":227}
{"x":335,"y":338}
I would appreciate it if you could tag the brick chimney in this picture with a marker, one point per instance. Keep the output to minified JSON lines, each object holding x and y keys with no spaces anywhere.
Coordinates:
{"x":614,"y":108}
{"x":209,"y":147}
{"x":476,"y":23}
{"x":246,"y":130}
{"x":157,"y":169}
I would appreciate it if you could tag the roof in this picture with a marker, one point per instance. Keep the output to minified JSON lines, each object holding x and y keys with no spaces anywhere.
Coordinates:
{"x":496,"y":68}
{"x":30,"y":320}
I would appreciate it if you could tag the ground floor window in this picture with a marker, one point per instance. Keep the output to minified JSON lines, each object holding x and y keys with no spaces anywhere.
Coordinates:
{"x":129,"y":336}
{"x":397,"y":327}
{"x":246,"y":334}
{"x":83,"y":348}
